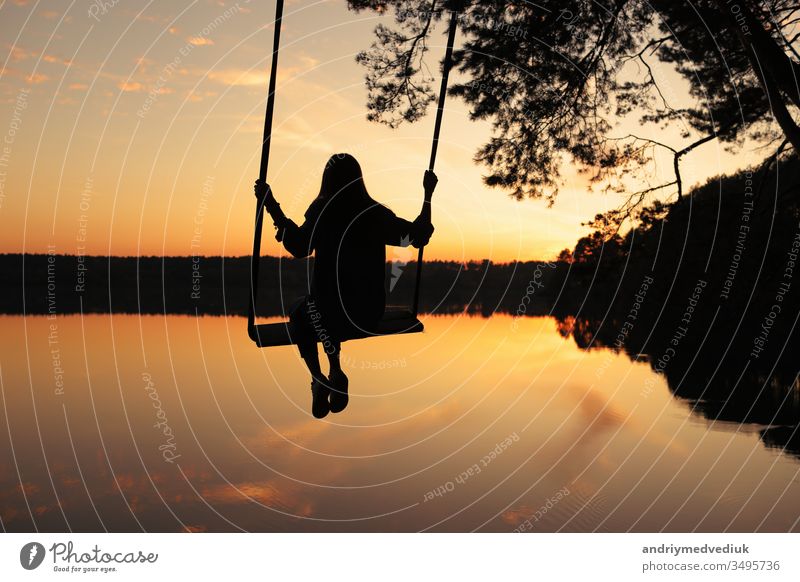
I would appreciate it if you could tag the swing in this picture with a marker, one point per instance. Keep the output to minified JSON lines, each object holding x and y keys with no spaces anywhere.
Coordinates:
{"x":394,"y":321}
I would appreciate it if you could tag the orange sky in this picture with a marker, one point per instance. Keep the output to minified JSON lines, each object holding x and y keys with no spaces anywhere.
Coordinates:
{"x":133,"y":128}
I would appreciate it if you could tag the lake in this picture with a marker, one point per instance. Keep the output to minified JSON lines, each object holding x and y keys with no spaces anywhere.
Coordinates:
{"x":178,"y":423}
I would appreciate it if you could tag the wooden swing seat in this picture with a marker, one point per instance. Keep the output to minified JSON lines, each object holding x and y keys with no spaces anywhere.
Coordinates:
{"x":395,"y":321}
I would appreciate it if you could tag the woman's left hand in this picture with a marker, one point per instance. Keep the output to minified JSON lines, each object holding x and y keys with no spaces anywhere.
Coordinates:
{"x":423,"y":230}
{"x":429,"y":182}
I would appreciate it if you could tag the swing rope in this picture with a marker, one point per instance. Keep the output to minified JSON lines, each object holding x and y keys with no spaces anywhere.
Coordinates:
{"x":252,"y":328}
{"x":426,"y":205}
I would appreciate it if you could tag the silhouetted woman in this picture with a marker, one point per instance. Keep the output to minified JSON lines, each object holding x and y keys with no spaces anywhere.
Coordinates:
{"x":348,"y":232}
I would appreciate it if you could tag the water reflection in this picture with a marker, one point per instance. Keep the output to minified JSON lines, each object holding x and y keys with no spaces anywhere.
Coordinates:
{"x":477,"y":424}
{"x":713,"y":375}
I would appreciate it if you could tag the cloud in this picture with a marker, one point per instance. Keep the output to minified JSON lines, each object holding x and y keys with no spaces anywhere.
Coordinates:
{"x":20,"y":54}
{"x":78,"y":87}
{"x":54,"y":59}
{"x":28,"y":488}
{"x":146,"y":18}
{"x":301,"y":137}
{"x":259,"y":77}
{"x":199,"y":41}
{"x":240,"y":77}
{"x":308,"y":62}
{"x":267,"y":493}
{"x":131,"y":87}
{"x":36,"y":78}
{"x":197,"y":97}
{"x":142,"y":62}
{"x":17,"y":53}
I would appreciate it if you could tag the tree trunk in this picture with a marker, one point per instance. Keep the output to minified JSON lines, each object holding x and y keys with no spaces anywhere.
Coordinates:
{"x":770,"y":65}
{"x":784,"y":71}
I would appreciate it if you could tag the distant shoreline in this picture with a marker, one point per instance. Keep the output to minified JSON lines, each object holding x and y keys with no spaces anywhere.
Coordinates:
{"x":38,"y":283}
{"x":247,"y":257}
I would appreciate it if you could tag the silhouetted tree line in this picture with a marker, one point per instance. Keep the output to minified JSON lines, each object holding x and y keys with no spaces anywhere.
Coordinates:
{"x":706,"y":290}
{"x":37,"y":283}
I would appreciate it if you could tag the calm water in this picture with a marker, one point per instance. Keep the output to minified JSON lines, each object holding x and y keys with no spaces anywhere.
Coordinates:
{"x":178,"y":423}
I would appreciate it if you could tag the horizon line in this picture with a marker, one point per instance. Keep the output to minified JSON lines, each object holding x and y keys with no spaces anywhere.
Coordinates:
{"x":465,"y":261}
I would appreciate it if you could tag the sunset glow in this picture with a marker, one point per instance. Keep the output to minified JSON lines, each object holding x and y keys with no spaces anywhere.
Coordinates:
{"x":134,"y":128}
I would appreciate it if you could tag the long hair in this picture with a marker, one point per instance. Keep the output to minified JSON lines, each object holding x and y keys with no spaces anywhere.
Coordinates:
{"x":343,"y":181}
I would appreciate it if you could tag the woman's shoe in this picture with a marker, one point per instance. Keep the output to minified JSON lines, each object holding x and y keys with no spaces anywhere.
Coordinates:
{"x":319,"y":402}
{"x":339,"y":397}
